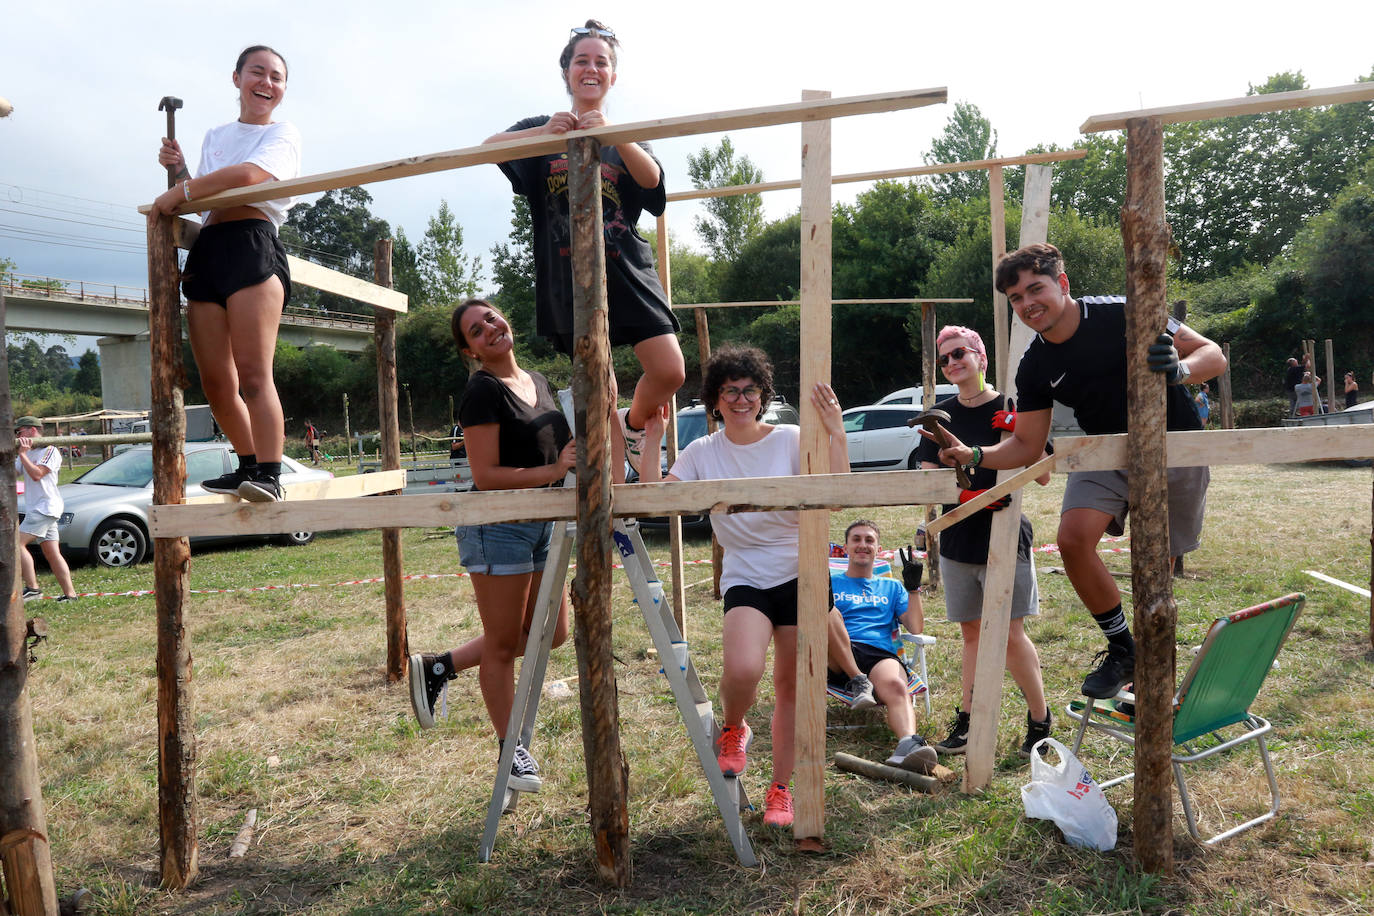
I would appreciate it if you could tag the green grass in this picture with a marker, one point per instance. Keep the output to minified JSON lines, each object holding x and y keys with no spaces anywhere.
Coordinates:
{"x":359,"y":811}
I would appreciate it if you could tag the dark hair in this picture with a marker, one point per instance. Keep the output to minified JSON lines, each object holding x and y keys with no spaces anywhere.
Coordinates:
{"x":730,"y":363}
{"x":248,"y":52}
{"x":565,"y":59}
{"x":1039,"y":258}
{"x":456,"y":325}
{"x":862,"y":521}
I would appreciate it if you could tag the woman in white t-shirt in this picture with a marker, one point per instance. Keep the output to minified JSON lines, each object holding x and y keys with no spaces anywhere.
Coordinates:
{"x":759,"y":575}
{"x":236,"y":280}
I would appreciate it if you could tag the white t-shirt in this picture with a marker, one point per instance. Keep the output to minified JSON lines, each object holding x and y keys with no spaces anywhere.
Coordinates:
{"x":274,"y":148}
{"x":760,"y":547}
{"x":41,"y":495}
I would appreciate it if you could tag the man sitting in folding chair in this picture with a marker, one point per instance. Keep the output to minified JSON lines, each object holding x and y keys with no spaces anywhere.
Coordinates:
{"x":860,"y":655}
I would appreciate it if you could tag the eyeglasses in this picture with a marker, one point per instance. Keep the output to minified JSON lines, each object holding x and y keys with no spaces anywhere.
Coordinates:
{"x":595,"y":33}
{"x":751,"y":393}
{"x":957,"y":353}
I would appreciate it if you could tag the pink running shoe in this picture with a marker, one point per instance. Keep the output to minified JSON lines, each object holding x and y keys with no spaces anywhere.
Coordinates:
{"x":777,"y":806}
{"x":733,"y":746}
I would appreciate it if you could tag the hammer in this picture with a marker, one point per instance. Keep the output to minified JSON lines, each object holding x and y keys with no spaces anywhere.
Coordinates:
{"x":170,"y":104}
{"x":930,"y":419}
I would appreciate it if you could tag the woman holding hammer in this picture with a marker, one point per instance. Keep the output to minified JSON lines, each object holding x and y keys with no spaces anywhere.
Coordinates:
{"x":236,"y":280}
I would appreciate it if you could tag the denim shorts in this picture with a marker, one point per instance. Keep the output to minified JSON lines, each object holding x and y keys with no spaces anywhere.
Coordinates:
{"x":42,"y":527}
{"x":504,"y":548}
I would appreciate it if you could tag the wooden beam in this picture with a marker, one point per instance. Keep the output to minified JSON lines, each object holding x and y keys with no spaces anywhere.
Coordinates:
{"x":1227,"y":406}
{"x":1192,"y":448}
{"x":813,"y":579}
{"x":1250,"y":104}
{"x":389,"y":423}
{"x":333,"y":488}
{"x":769,"y":303}
{"x":987,"y":497}
{"x":885,"y":174}
{"x":928,"y":357}
{"x":611,"y":135}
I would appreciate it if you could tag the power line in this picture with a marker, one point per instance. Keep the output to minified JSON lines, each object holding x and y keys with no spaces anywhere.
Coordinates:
{"x":72,"y":244}
{"x":63,"y":219}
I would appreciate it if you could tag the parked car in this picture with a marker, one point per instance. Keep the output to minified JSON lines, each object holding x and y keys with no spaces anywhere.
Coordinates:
{"x":105,"y":510}
{"x":879,"y":439}
{"x":914,"y":395}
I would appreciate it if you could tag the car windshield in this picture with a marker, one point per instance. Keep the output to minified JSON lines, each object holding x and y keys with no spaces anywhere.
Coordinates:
{"x":128,"y":469}
{"x":690,"y":426}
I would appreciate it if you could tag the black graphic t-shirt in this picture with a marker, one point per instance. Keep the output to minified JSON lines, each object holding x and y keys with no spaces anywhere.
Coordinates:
{"x":529,"y":436}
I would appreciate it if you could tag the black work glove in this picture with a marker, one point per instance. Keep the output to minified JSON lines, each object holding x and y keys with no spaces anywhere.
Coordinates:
{"x":1163,"y":358}
{"x":911,"y":568}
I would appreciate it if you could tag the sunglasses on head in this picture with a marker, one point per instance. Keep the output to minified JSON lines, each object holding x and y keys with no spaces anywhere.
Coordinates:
{"x":956,"y":354}
{"x":595,"y":33}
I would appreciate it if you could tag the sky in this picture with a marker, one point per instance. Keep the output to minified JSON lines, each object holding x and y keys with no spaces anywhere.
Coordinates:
{"x":373,"y":82}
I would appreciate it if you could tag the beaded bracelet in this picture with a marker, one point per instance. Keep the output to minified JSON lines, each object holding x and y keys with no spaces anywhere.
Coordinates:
{"x":186,"y":188}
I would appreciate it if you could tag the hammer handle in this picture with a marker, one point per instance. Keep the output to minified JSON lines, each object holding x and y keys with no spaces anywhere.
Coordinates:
{"x":960,"y":475}
{"x":171,"y":135}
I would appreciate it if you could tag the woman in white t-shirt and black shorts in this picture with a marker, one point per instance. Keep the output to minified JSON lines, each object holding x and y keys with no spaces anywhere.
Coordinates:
{"x":236,"y":280}
{"x":759,"y":575}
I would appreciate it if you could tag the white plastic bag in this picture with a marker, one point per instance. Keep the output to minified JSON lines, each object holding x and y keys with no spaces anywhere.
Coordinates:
{"x":1069,"y":796}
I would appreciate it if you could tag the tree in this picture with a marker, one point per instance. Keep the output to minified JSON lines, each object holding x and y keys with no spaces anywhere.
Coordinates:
{"x":87,"y":378}
{"x":338,"y":231}
{"x":405,"y":269}
{"x":730,"y":222}
{"x":446,"y":273}
{"x":967,"y":137}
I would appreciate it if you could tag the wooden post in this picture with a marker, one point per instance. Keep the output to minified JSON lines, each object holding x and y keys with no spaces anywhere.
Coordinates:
{"x":31,"y":885}
{"x":388,"y":419}
{"x":1146,"y":238}
{"x":928,"y":334}
{"x":348,"y":433}
{"x":813,"y":579}
{"x":1330,"y":378}
{"x":1228,"y":410}
{"x":678,"y":596}
{"x":997,"y":202}
{"x":410,"y":418}
{"x":607,"y":771}
{"x":176,"y":762}
{"x":703,"y":354}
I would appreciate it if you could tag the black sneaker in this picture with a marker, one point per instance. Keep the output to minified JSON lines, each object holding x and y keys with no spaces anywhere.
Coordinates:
{"x":67,"y":597}
{"x":957,"y":742}
{"x":1115,"y":668}
{"x":225,"y":484}
{"x":31,"y":593}
{"x":861,"y":689}
{"x":524,"y":772}
{"x":261,"y":490}
{"x":429,"y":678}
{"x":1035,"y":732}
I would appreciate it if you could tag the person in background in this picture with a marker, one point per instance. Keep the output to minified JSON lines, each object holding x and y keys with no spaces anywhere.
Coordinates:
{"x":1352,"y":390}
{"x":312,"y":442}
{"x":1306,"y":393}
{"x":1204,"y":404}
{"x":42,"y":509}
{"x":1292,"y":375}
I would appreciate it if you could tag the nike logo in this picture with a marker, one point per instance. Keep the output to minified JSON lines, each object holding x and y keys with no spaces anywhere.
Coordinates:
{"x":1055,"y":383}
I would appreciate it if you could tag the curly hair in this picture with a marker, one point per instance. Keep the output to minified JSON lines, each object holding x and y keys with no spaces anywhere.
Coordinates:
{"x":1039,"y":258}
{"x":602,"y":32}
{"x":731,"y":363}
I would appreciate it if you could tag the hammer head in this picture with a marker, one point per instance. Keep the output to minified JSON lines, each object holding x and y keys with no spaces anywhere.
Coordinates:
{"x":929,"y":419}
{"x":169,"y":103}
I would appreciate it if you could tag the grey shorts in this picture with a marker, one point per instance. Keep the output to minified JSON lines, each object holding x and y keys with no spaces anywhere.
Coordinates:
{"x":42,"y":527}
{"x":963,"y":585}
{"x":1107,"y":491}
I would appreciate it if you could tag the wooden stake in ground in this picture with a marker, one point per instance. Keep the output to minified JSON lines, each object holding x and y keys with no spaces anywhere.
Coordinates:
{"x":928,"y":333}
{"x":388,"y":418}
{"x":1228,"y":410}
{"x":607,"y":771}
{"x":703,"y":354}
{"x":1146,"y":238}
{"x":171,"y":563}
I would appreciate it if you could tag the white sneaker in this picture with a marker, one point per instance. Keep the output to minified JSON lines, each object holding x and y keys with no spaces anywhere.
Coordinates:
{"x":634,"y":438}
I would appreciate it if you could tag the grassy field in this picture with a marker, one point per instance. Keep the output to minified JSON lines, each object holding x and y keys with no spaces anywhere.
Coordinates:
{"x":361,"y":812}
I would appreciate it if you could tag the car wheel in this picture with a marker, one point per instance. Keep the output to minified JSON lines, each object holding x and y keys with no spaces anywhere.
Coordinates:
{"x":119,"y":542}
{"x":297,"y":538}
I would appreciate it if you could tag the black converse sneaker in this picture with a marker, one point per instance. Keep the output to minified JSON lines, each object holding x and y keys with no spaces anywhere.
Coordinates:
{"x":261,"y":490}
{"x":524,"y":772}
{"x":225,"y":484}
{"x":429,"y":677}
{"x":957,"y":742}
{"x":1035,"y":733}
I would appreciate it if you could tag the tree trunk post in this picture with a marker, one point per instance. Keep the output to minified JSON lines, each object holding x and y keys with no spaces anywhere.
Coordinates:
{"x":703,"y":354}
{"x":388,"y":419}
{"x":171,"y":563}
{"x":607,"y":771}
{"x":678,"y":597}
{"x":1228,"y":408}
{"x":1330,"y":377}
{"x":1001,"y":327}
{"x":1146,"y":238}
{"x":348,"y":433}
{"x":928,"y":333}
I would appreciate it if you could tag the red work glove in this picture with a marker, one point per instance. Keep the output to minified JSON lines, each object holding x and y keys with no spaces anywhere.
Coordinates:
{"x":1004,"y":419}
{"x":997,"y":505}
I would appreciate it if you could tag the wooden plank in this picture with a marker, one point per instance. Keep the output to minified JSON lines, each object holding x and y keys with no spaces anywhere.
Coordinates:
{"x":998,"y":226}
{"x":1192,"y":448}
{"x":610,"y":135}
{"x":333,"y":488}
{"x":883,"y":175}
{"x":928,"y":358}
{"x":771,"y":303}
{"x":1227,"y":406}
{"x":1250,"y":104}
{"x":1003,"y":488}
{"x":389,"y":422}
{"x":813,"y":579}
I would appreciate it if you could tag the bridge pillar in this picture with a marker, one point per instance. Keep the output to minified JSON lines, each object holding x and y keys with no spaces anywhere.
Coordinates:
{"x":126,"y":372}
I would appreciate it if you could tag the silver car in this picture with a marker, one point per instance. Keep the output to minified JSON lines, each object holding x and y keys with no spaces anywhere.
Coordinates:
{"x":105,"y":510}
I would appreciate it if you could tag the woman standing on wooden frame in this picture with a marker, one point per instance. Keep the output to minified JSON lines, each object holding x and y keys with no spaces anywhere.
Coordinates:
{"x":759,"y":575}
{"x":236,"y":279}
{"x":631,"y":183}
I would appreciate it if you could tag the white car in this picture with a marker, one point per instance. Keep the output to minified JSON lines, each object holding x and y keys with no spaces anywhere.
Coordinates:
{"x":879,"y":439}
{"x":914,"y":395}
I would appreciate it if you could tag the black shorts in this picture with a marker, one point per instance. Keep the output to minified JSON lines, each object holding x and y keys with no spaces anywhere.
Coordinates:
{"x":778,"y":604}
{"x":228,"y":257}
{"x":867,"y":658}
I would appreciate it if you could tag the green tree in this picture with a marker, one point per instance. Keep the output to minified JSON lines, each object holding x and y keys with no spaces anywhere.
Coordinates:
{"x":339,"y":232}
{"x":730,"y":222}
{"x":405,"y":269}
{"x":967,"y":137}
{"x":87,"y":378}
{"x":513,"y":273}
{"x":446,"y":272}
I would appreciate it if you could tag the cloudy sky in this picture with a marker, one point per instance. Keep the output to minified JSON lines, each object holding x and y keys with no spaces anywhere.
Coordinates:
{"x":371,"y":82}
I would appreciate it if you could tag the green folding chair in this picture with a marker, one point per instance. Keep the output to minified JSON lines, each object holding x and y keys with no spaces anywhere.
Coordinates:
{"x":1215,"y":694}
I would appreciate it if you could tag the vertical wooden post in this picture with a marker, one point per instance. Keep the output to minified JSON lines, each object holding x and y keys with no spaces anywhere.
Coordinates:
{"x":388,"y":419}
{"x":1146,"y":238}
{"x":678,"y":597}
{"x":1000,"y":326}
{"x":1330,"y":378}
{"x":607,"y":771}
{"x":176,"y":759}
{"x":1228,"y":410}
{"x":31,"y":884}
{"x":928,"y":334}
{"x":348,"y":433}
{"x":703,"y":354}
{"x":813,"y":580}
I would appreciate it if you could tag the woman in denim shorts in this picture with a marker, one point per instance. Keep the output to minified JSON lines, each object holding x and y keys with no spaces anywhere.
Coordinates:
{"x":517,"y":438}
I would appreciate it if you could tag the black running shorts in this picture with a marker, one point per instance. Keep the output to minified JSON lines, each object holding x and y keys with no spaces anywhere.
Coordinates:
{"x":228,"y":257}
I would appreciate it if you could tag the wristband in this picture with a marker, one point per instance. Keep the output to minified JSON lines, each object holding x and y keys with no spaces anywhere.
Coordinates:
{"x":186,"y":188}
{"x":977,"y":458}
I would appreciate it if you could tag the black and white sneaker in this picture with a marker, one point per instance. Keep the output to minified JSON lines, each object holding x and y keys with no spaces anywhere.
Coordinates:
{"x":957,"y":742}
{"x":861,"y":689}
{"x":225,"y":484}
{"x":524,"y":772}
{"x":261,"y":490}
{"x":1115,"y":669}
{"x":429,"y":678}
{"x":31,"y":593}
{"x":1035,"y":733}
{"x":913,"y":754}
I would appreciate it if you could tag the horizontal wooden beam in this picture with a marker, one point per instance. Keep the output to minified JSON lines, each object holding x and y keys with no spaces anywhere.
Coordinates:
{"x":333,"y":488}
{"x":760,"y":494}
{"x":1002,"y":488}
{"x":685,"y":126}
{"x":1250,"y":104}
{"x":764,"y":303}
{"x":1224,"y":446}
{"x":315,"y":276}
{"x":885,"y":174}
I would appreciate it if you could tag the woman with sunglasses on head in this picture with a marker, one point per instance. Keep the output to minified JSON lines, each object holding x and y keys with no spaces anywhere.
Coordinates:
{"x":978,"y":416}
{"x":236,"y":279}
{"x":631,"y":182}
{"x":759,"y":574}
{"x":517,"y":438}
